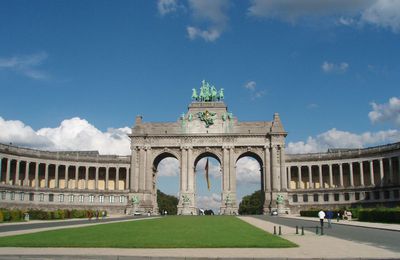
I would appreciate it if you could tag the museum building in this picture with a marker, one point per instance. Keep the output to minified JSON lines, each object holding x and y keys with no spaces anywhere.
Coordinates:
{"x":31,"y":178}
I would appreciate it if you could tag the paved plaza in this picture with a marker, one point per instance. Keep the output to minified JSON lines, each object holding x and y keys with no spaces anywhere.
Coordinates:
{"x":310,"y":245}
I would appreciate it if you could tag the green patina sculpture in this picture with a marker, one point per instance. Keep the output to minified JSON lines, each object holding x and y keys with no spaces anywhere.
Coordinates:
{"x":228,"y":199}
{"x":135,"y":200}
{"x":208,"y":93}
{"x":207,"y":117}
{"x":280,"y":199}
{"x":185,"y":199}
{"x":190,"y":117}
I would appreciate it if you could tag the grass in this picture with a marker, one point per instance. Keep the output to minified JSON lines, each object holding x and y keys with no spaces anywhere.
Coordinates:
{"x":167,"y":232}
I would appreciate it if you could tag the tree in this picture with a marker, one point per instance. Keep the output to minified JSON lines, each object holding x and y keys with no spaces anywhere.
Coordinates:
{"x":252,"y":204}
{"x":167,"y":203}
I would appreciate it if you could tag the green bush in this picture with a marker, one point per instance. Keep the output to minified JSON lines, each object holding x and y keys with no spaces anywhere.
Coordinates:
{"x":16,"y":215}
{"x":1,"y":216}
{"x":385,"y":215}
{"x":6,"y":215}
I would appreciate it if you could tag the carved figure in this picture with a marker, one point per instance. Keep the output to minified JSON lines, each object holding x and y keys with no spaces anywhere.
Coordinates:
{"x":207,"y":117}
{"x":135,"y":200}
{"x":280,"y":199}
{"x":228,"y":199}
{"x":213,"y":93}
{"x":194,"y":94}
{"x":185,"y":199}
{"x":221,"y":94}
{"x":190,"y":117}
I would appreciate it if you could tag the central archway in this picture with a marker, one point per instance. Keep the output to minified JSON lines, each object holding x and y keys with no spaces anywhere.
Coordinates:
{"x":208,"y":184}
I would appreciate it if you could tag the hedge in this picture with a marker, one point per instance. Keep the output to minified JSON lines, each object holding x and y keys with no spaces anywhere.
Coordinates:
{"x":38,"y":214}
{"x":384,"y":215}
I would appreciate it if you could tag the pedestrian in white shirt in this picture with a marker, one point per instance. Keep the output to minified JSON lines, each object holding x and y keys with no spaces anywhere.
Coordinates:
{"x":321,"y":215}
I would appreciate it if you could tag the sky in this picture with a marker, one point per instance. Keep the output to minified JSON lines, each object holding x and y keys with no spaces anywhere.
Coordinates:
{"x":74,"y":74}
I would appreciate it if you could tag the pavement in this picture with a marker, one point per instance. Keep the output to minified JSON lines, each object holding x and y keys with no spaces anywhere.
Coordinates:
{"x":311,"y":246}
{"x":382,"y":226}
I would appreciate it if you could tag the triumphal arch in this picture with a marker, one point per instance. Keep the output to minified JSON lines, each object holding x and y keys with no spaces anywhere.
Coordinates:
{"x":207,"y":129}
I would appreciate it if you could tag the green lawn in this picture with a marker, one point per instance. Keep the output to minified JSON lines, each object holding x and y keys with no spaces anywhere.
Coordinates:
{"x":166,"y":232}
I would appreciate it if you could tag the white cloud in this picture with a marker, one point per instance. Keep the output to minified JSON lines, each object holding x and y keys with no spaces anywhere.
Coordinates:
{"x":169,"y":167}
{"x":248,"y":171}
{"x":341,"y":139}
{"x":332,"y":67}
{"x":213,"y":14}
{"x":209,"y":35}
{"x":388,"y":112}
{"x":383,"y":13}
{"x":25,"y":65}
{"x":72,"y":134}
{"x":380,"y":13}
{"x":252,"y":87}
{"x":291,"y":10}
{"x":167,"y":6}
{"x":209,"y":202}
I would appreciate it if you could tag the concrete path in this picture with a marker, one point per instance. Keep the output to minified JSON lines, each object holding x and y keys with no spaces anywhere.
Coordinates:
{"x":383,"y":226}
{"x":310,"y":246}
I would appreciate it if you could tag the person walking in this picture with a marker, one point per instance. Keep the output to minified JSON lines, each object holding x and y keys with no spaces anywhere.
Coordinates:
{"x":329,"y":216}
{"x":321,"y":216}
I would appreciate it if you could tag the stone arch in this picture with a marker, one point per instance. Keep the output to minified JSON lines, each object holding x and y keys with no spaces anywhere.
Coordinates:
{"x":259,"y":158}
{"x":162,"y":155}
{"x":209,"y":153}
{"x":253,"y":155}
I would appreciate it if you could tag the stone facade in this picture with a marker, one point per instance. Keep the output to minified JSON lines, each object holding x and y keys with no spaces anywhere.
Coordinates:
{"x":125,"y":184}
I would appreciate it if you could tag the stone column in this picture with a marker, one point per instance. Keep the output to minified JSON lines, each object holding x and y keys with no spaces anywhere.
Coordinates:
{"x":361,"y":173}
{"x":87,"y":177}
{"x":26,"y":177}
{"x":149,"y":170}
{"x":142,"y":163}
{"x":183,"y":167}
{"x":351,"y":174}
{"x":341,"y":174}
{"x":299,"y":177}
{"x":36,"y":175}
{"x":107,"y":177}
{"x":46,"y":175}
{"x":96,"y":182}
{"x":232,"y":171}
{"x":381,"y":173}
{"x":66,"y":176}
{"x":134,"y":180}
{"x":76,"y":176}
{"x":289,"y":172}
{"x":56,"y":177}
{"x":398,"y":172}
{"x":321,"y":181}
{"x":390,"y":180}
{"x":283,"y":169}
{"x":190,"y":170}
{"x":1,"y":170}
{"x":16,"y":179}
{"x":310,"y":182}
{"x":275,"y":169}
{"x":330,"y":176}
{"x":116,"y":186}
{"x":371,"y":172}
{"x":267,"y":169}
{"x":8,"y":172}
{"x":126,"y":186}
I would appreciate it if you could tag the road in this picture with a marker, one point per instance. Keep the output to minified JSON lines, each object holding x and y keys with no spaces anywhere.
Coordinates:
{"x":381,"y":238}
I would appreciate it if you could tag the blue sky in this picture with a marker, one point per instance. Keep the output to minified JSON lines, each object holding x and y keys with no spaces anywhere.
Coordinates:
{"x":74,"y":74}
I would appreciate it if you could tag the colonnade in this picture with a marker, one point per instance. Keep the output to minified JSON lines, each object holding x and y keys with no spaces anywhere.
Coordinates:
{"x":337,"y":174}
{"x":50,"y":175}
